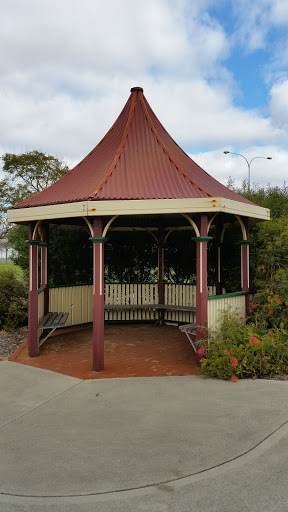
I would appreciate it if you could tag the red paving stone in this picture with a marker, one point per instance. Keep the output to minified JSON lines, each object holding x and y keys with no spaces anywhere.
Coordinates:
{"x":139,"y":350}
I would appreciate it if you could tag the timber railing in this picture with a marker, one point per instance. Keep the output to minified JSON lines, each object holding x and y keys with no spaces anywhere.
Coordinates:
{"x":232,"y":302}
{"x":77,"y":300}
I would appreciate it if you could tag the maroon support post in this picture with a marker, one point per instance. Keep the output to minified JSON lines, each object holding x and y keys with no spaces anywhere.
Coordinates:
{"x":161,"y":295}
{"x":245,"y":265}
{"x":44,"y":268}
{"x":98,"y":294}
{"x":33,"y":294}
{"x":218,"y":262}
{"x":218,"y":282}
{"x":201,"y":283}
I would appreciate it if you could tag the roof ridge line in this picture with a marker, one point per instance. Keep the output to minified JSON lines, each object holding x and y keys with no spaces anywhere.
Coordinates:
{"x":168,"y":152}
{"x":119,"y":150}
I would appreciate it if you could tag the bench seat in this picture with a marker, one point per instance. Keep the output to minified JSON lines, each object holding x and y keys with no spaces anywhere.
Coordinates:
{"x":189,"y":329}
{"x":51,"y":321}
{"x":168,"y":307}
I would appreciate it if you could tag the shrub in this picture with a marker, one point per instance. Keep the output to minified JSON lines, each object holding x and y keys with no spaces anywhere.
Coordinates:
{"x":13,"y":300}
{"x":245,"y":351}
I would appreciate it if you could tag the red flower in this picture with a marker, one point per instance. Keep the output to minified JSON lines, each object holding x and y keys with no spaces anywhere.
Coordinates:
{"x":277,"y":300}
{"x":254,"y":341}
{"x":201,"y":351}
{"x":226,"y":352}
{"x":252,"y":306}
{"x":234,"y":378}
{"x":271,"y":312}
{"x":237,"y":314}
{"x":234,"y":361}
{"x":241,"y":317}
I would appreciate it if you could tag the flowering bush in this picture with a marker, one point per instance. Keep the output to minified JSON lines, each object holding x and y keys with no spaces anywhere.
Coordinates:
{"x":237,"y":350}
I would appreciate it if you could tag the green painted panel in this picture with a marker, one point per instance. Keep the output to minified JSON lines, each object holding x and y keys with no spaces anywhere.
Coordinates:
{"x":226,"y":295}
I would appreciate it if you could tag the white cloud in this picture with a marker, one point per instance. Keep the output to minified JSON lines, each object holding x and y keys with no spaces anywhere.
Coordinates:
{"x":67,"y":69}
{"x":96,"y":35}
{"x":278,"y":107}
{"x":203,"y":115}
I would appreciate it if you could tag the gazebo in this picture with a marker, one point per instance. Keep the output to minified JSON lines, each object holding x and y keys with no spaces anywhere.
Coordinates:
{"x":136,"y":172}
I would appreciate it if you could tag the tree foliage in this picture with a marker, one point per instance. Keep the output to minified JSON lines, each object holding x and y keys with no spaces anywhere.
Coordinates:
{"x":130,"y":257}
{"x":63,"y":269}
{"x":26,"y":175}
{"x":274,"y":198}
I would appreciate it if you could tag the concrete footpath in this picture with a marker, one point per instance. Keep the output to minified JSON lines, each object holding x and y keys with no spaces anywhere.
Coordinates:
{"x":141,"y":444}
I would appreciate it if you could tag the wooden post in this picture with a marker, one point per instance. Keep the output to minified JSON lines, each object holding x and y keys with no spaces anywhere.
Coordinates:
{"x":245,"y":265}
{"x":46,"y":291}
{"x":43,"y":265}
{"x":44,"y":268}
{"x":98,"y":294}
{"x":201,"y":282}
{"x":33,"y":294}
{"x":161,"y":293}
{"x":219,"y":268}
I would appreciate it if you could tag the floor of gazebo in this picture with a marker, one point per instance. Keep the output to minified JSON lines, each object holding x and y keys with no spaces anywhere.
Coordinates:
{"x":131,"y":350}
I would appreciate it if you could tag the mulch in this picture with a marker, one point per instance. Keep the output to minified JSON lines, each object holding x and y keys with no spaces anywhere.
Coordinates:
{"x":10,"y":341}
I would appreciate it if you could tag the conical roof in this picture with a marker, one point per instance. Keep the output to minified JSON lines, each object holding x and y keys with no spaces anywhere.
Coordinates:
{"x":137,"y":159}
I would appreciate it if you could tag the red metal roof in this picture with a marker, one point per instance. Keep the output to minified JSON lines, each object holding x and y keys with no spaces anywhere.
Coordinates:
{"x":137,"y":159}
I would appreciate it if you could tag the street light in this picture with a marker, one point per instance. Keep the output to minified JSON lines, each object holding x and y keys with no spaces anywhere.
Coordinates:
{"x":248,"y":163}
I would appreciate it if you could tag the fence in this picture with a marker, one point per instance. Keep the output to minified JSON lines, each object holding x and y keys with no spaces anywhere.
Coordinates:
{"x":78,"y":302}
{"x":233,"y":302}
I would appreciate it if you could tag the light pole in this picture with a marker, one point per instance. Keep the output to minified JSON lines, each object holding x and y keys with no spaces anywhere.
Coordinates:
{"x":248,"y":163}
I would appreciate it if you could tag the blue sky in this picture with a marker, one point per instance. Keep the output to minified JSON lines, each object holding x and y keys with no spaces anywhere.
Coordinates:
{"x":214,"y":71}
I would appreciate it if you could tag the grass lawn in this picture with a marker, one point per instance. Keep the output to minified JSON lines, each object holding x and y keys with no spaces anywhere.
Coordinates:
{"x":6,"y":266}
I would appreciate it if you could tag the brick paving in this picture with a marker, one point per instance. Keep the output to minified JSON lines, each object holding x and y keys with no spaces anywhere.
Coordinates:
{"x":138,"y":350}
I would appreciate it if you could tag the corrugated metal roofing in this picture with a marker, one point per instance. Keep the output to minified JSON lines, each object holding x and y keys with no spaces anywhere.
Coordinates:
{"x":137,"y":159}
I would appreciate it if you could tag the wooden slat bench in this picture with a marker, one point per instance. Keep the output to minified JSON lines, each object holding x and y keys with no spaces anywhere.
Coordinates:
{"x":189,"y":329}
{"x":149,"y":307}
{"x":167,"y":307}
{"x":51,"y":321}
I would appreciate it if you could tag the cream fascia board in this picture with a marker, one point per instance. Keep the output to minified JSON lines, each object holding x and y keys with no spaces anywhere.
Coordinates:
{"x":55,"y":211}
{"x":138,"y":207}
{"x":197,"y":205}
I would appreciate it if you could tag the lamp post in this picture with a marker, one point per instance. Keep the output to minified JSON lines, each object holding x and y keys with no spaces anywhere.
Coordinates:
{"x":248,"y":163}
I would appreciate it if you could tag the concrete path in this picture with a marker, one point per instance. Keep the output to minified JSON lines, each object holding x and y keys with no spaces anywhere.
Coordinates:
{"x":146,"y":444}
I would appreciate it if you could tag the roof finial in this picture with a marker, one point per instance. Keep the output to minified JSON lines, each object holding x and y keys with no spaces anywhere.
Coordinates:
{"x":136,"y":89}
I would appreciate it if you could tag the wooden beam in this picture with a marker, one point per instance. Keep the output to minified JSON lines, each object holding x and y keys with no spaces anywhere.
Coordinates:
{"x":138,"y":207}
{"x":98,"y":295}
{"x":33,"y":296}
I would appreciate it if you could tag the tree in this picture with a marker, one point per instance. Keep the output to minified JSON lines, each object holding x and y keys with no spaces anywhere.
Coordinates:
{"x":4,"y":227}
{"x":274,"y":198}
{"x":269,"y":255}
{"x":27,"y":174}
{"x":271,"y":272}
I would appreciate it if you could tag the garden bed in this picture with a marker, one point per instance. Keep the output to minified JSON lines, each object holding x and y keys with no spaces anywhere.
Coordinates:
{"x":10,"y":341}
